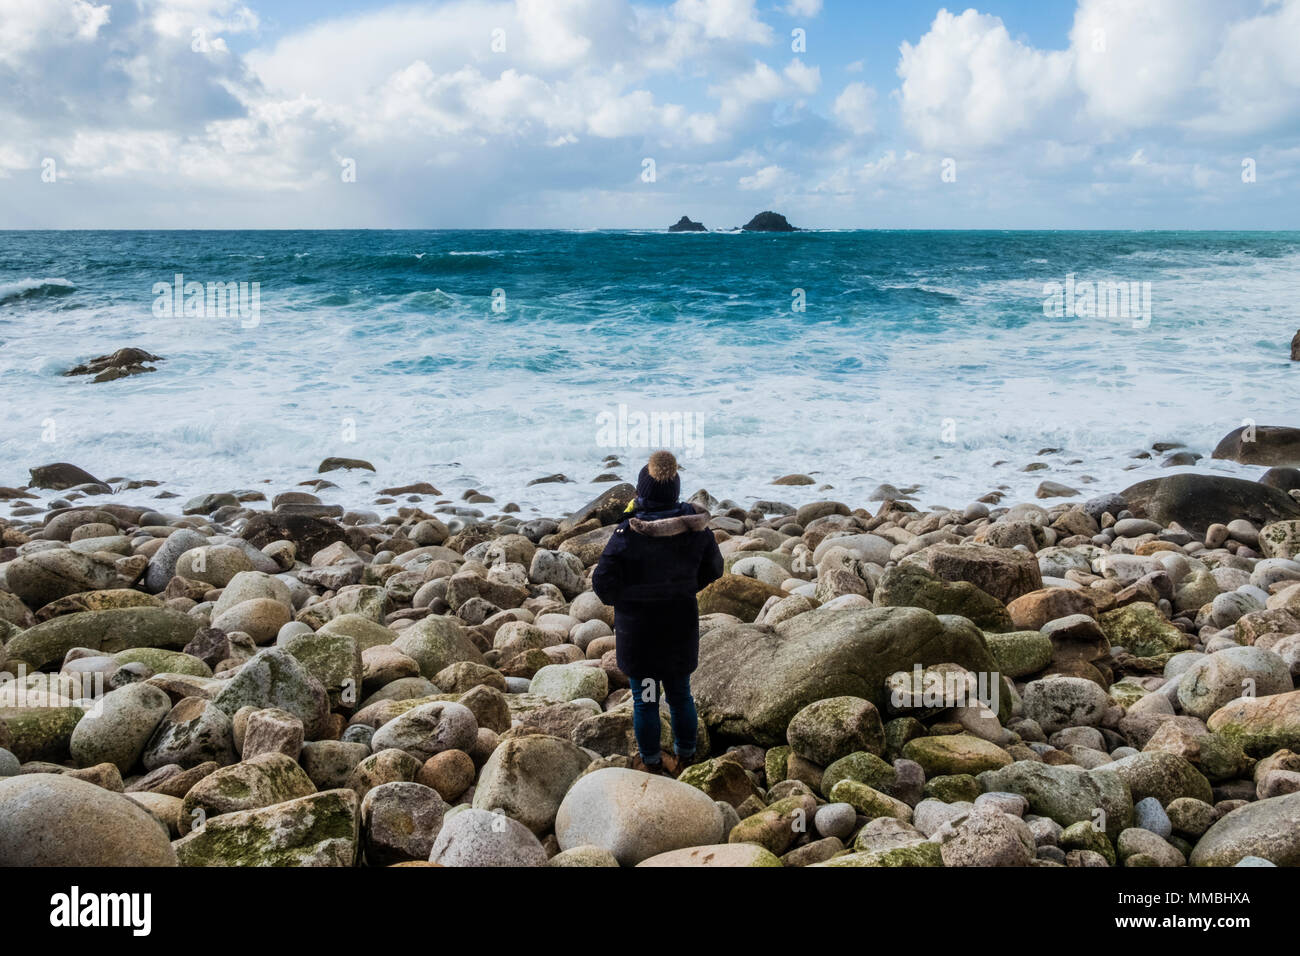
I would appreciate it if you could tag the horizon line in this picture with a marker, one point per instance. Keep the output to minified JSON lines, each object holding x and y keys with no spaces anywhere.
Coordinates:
{"x":645,"y":229}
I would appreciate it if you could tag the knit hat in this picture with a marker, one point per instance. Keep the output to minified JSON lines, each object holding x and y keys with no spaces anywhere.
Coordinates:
{"x":658,"y":485}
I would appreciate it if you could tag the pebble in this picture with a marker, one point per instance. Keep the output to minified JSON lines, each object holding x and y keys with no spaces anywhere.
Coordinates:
{"x":369,"y":670}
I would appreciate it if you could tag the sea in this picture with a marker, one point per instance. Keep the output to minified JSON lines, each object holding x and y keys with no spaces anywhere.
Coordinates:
{"x":948,"y":364}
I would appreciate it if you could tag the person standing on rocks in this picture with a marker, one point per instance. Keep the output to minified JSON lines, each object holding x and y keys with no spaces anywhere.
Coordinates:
{"x":652,"y":567}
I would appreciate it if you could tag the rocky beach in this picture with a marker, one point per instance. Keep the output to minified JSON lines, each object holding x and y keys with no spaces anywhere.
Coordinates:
{"x":249,"y":678}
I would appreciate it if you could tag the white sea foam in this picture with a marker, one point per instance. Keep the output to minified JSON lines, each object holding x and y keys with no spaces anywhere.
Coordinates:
{"x":432,"y":385}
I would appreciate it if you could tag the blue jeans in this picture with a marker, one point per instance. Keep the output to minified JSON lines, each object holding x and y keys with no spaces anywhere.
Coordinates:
{"x":645,"y":716}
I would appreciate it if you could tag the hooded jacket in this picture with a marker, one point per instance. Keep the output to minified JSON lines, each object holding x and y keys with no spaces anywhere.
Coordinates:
{"x":650,"y":571}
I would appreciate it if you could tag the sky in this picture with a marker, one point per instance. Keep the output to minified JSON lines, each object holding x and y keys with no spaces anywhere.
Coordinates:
{"x":589,"y":114}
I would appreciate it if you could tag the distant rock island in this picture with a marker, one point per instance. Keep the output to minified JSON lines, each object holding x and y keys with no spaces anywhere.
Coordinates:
{"x":769,"y":222}
{"x":686,"y":224}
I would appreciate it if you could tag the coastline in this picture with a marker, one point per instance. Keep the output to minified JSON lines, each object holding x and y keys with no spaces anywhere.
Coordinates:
{"x":926,"y":687}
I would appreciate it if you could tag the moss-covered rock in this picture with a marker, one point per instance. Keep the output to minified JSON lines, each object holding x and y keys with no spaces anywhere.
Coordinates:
{"x":162,"y":661}
{"x":1004,"y":573}
{"x":868,"y":801}
{"x":1126,"y":692}
{"x":1086,"y":836}
{"x":109,"y":631}
{"x":1143,"y":631}
{"x":570,"y":682}
{"x":1020,"y":653}
{"x":45,"y":576}
{"x":898,"y":732}
{"x":722,"y":778}
{"x":776,"y":827}
{"x":1221,"y":758}
{"x":955,"y":754}
{"x":1261,"y":725}
{"x":275,"y":678}
{"x":739,"y":596}
{"x":1067,"y":794}
{"x":435,"y":642}
{"x":863,"y":767}
{"x":99,"y":601}
{"x":363,"y":630}
{"x":920,"y":854}
{"x":317,"y":830}
{"x":260,"y":781}
{"x":774,"y":764}
{"x":835,"y":727}
{"x":334,"y":660}
{"x":194,"y":732}
{"x":752,"y":681}
{"x":910,"y":585}
{"x":953,"y":788}
{"x":370,"y":601}
{"x":1155,"y":773}
{"x":40,"y":733}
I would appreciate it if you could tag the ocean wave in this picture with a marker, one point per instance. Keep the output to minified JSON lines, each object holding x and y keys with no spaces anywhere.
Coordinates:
{"x":902,"y":332}
{"x":34,"y":289}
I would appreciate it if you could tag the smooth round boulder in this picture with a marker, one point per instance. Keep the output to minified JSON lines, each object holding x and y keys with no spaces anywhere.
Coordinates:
{"x":482,"y":838}
{"x":1215,"y":679}
{"x":215,"y":564}
{"x":119,"y":726}
{"x":527,"y":777}
{"x":1268,"y":829}
{"x":722,"y":855}
{"x":54,"y":820}
{"x":636,"y":815}
{"x":260,"y":618}
{"x":429,"y":729}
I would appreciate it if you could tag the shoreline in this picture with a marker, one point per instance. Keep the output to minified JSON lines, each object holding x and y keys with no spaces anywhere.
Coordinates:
{"x":921,"y":687}
{"x":1054,"y":476}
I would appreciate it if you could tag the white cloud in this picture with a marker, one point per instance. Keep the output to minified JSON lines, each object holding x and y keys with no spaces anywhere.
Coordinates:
{"x":180,"y":18}
{"x":1204,"y":65}
{"x":561,"y":118}
{"x":26,"y":26}
{"x":1138,"y":64}
{"x":855,"y":108}
{"x":968,"y":83}
{"x":803,"y":8}
{"x":1256,"y":73}
{"x":806,"y":79}
{"x":724,"y":19}
{"x":764,"y":178}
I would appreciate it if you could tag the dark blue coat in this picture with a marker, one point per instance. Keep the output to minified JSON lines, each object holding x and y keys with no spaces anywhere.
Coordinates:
{"x":652,"y":567}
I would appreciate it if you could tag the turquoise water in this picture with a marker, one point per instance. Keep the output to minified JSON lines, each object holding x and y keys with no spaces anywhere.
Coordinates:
{"x":921,"y":358}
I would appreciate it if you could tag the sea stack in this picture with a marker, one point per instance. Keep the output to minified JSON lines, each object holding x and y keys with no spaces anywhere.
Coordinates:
{"x":769,"y":222}
{"x":1295,"y":348}
{"x":686,"y":224}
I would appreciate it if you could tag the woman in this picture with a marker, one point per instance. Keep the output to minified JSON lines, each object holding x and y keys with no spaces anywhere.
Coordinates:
{"x":651,"y":569}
